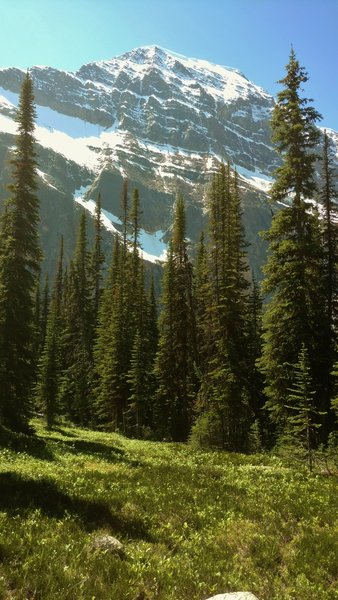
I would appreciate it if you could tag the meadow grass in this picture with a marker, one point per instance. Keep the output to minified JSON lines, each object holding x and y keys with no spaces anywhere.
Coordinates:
{"x":193,"y":523}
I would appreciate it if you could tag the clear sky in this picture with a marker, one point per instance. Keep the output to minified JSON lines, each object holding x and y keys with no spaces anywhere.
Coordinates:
{"x":252,"y":35}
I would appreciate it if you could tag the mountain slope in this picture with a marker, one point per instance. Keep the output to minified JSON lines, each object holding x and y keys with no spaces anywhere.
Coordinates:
{"x":160,"y":119}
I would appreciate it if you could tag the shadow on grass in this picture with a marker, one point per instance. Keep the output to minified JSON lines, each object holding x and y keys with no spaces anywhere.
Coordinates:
{"x":106,"y":451}
{"x":19,"y":495}
{"x":22,"y":442}
{"x":63,"y":432}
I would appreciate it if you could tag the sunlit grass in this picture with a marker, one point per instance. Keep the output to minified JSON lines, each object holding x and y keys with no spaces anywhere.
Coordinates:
{"x":193,"y":523}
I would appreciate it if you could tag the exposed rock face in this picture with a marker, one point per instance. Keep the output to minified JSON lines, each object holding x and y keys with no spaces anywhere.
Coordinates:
{"x":160,"y":119}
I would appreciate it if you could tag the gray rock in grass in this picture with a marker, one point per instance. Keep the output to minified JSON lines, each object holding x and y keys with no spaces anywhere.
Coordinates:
{"x":108,"y":543}
{"x":234,"y":596}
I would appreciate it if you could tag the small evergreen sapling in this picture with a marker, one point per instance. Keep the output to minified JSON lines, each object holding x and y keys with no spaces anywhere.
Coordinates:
{"x":302,"y":423}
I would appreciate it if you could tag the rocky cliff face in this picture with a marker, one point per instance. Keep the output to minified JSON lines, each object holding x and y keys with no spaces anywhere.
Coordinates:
{"x":160,"y":119}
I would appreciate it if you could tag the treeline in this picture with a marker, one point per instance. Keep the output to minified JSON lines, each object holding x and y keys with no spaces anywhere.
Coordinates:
{"x":204,"y":361}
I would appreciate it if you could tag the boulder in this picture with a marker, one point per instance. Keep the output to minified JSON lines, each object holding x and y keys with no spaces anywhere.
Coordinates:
{"x":235,"y":596}
{"x":108,"y":543}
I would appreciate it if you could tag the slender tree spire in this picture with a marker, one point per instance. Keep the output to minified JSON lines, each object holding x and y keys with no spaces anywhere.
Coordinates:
{"x":97,"y":260}
{"x":176,"y":356}
{"x":20,"y":257}
{"x":294,"y":314}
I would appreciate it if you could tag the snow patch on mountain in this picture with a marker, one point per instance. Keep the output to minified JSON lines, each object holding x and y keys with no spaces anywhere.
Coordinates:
{"x":223,"y":83}
{"x":45,"y":179}
{"x":258,"y":180}
{"x":152,"y":247}
{"x":90,"y":206}
{"x":7,"y":125}
{"x":53,"y":120}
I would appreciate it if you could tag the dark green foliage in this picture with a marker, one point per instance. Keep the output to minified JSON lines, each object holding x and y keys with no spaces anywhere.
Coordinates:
{"x":294,"y":315}
{"x":176,"y":356}
{"x":96,"y":262}
{"x":261,"y":428}
{"x":19,"y":268}
{"x":295,"y":135}
{"x":222,"y":312}
{"x":302,"y":422}
{"x":328,"y":195}
{"x":106,"y":359}
{"x":203,"y":306}
{"x":334,"y":399}
{"x":49,"y":368}
{"x":124,"y":347}
{"x":41,"y":316}
{"x":76,"y":379}
{"x":140,"y":368}
{"x":109,"y":357}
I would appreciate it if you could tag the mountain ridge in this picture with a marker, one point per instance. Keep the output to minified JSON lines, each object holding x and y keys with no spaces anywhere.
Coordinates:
{"x":160,"y":119}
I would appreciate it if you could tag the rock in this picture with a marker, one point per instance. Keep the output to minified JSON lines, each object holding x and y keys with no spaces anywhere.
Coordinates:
{"x":234,"y":596}
{"x":109,"y":544}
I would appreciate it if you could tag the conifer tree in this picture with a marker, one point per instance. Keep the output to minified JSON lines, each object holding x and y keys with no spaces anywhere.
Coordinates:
{"x":222,"y":312}
{"x":255,"y":379}
{"x":125,"y":212}
{"x":107,"y":351}
{"x":152,"y":347}
{"x":58,"y":291}
{"x":96,"y":262}
{"x":119,"y":322}
{"x":49,"y":368}
{"x":294,"y":314}
{"x":176,"y":356}
{"x":302,"y":423}
{"x":334,"y":399}
{"x":328,"y":195}
{"x":19,"y":269}
{"x":138,"y":376}
{"x":152,"y":320}
{"x":255,"y":343}
{"x":76,"y":380}
{"x":202,"y":300}
{"x":37,"y":321}
{"x":131,"y":268}
{"x":44,"y":311}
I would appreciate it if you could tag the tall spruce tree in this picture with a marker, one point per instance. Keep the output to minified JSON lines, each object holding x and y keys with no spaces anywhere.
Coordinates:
{"x":108,"y":351}
{"x":75,"y":391}
{"x":119,"y":328}
{"x":44,"y":311}
{"x":222,"y":312}
{"x":257,"y":399}
{"x":139,"y":374}
{"x":328,"y":195}
{"x":294,"y":314}
{"x":49,"y":367}
{"x":20,"y":257}
{"x":96,"y":263}
{"x":176,"y":356}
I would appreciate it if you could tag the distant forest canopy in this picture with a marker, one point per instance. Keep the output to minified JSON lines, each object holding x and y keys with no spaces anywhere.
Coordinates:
{"x":205,"y":361}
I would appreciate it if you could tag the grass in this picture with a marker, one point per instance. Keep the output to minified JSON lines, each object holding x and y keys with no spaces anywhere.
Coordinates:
{"x":193,"y":523}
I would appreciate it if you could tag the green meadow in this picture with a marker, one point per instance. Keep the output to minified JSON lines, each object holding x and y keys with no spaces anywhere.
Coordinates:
{"x":193,"y":523}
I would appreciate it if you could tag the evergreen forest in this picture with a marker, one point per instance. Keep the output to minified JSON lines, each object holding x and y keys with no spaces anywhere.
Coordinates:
{"x":216,"y":359}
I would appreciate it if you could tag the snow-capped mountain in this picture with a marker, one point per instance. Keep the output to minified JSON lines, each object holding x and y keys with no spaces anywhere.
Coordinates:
{"x":158,"y":118}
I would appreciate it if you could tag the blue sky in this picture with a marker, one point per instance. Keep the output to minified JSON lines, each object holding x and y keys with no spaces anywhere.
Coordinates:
{"x":251,"y":35}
